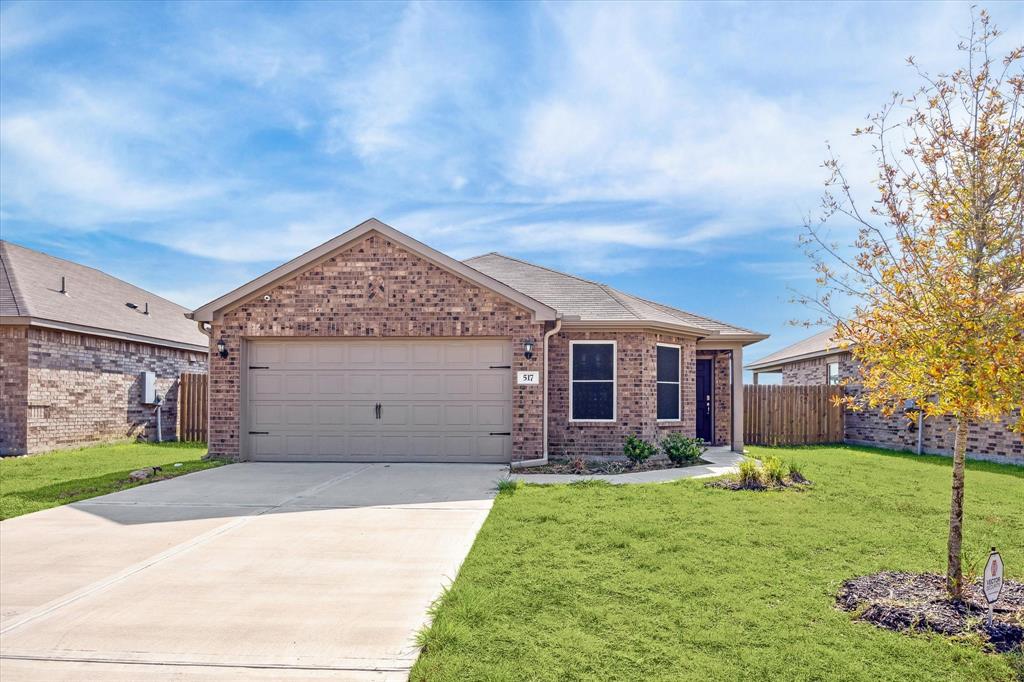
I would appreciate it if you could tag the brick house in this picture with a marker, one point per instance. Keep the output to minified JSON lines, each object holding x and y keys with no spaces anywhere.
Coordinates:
{"x":75,"y":344}
{"x":820,"y":360}
{"x":374,"y":346}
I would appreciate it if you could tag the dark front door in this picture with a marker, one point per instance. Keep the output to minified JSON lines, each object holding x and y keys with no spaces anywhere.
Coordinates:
{"x":704,"y":399}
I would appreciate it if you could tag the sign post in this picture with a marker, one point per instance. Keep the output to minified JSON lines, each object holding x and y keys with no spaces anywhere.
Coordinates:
{"x":992,"y":580}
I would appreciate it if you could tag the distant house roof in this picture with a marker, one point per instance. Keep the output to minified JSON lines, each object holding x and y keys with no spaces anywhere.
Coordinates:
{"x":94,"y":302}
{"x":821,"y":344}
{"x":582,"y":301}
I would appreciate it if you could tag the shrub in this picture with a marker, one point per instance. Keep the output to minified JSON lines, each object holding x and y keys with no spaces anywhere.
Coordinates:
{"x":796,"y":473}
{"x":680,"y":449}
{"x":577,"y":464}
{"x":637,"y":450}
{"x":750,"y":474}
{"x":774,"y":470}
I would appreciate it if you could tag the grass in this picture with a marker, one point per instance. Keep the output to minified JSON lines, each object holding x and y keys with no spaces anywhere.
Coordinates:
{"x":681,"y":582}
{"x":28,"y":484}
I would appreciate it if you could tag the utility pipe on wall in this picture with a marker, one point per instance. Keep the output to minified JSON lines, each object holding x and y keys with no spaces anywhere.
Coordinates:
{"x":544,"y":427}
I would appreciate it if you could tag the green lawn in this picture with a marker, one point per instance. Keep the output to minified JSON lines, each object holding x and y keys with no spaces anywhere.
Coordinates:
{"x":28,"y":484}
{"x":681,"y":582}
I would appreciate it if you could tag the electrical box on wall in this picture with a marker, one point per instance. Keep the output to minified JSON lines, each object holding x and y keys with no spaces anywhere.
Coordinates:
{"x":149,"y":388}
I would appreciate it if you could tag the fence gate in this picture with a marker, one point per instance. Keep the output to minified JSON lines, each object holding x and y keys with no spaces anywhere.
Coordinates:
{"x":792,"y":415}
{"x":192,"y":407}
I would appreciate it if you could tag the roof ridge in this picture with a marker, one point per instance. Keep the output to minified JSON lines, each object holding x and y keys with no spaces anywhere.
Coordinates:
{"x":618,"y":296}
{"x":97,"y":270}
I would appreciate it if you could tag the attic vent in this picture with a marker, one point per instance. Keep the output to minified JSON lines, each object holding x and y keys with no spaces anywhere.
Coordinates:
{"x":132,"y":306}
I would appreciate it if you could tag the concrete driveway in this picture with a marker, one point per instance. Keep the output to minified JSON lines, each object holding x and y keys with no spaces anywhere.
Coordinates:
{"x":256,"y":571}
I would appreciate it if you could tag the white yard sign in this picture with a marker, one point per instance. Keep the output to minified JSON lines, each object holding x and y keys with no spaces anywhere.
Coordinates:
{"x":992,"y":583}
{"x":528,"y":378}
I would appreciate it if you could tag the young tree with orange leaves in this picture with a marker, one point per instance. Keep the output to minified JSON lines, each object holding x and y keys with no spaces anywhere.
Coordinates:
{"x":936,"y":272}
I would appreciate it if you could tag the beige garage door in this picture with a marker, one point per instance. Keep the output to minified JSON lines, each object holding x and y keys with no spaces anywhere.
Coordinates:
{"x":445,"y":400}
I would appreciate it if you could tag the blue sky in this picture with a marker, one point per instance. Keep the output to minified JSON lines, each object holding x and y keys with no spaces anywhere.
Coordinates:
{"x":669,"y":150}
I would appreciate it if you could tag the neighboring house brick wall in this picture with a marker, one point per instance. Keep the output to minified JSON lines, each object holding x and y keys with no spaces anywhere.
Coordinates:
{"x":866,"y":426}
{"x":84,"y":389}
{"x":13,"y":389}
{"x":636,"y":394}
{"x":375,"y":288}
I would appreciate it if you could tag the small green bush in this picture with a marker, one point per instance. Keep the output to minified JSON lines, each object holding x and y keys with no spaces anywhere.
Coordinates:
{"x":796,"y":473}
{"x":750,"y":474}
{"x":680,"y":449}
{"x":774,"y":470}
{"x":637,"y":450}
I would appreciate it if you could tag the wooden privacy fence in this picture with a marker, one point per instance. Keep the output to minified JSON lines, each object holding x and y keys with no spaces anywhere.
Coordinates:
{"x":192,"y":407}
{"x":792,"y":415}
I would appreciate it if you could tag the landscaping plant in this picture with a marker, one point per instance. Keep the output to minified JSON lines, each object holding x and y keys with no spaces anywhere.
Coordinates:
{"x":774,"y":470}
{"x":935,"y":274}
{"x":751,"y":475}
{"x":682,"y":450}
{"x":637,"y":450}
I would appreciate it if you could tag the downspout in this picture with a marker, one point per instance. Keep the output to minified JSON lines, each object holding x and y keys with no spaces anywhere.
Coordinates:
{"x":544,"y":427}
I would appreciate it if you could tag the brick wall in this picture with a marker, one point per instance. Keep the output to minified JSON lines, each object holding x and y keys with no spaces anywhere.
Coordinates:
{"x":988,"y":440}
{"x":87,"y":389}
{"x":636,"y":395}
{"x":13,"y":389}
{"x":375,"y":288}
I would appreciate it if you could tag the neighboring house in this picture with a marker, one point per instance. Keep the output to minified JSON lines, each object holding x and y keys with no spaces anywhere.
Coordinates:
{"x":75,"y":344}
{"x":821,"y":360}
{"x":373,"y":346}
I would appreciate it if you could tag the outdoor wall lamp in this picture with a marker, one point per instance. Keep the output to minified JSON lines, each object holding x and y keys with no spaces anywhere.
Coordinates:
{"x":222,"y":348}
{"x":528,"y":349}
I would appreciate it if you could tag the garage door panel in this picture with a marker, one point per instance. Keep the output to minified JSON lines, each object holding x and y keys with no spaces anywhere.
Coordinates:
{"x":363,"y":384}
{"x":458,"y":384}
{"x":394,"y":385}
{"x":440,"y":400}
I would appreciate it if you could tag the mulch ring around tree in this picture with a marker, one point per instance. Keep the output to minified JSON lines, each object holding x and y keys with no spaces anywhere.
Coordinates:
{"x":915,"y":602}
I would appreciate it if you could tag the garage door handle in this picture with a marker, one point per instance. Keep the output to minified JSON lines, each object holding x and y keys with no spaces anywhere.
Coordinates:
{"x":501,"y":367}
{"x":377,"y":410}
{"x":259,"y":433}
{"x":258,"y":367}
{"x":501,"y":433}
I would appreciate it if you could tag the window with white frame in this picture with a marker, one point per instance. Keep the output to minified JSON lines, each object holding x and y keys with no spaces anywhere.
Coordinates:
{"x":833,"y":373}
{"x":668,"y":383}
{"x":592,"y":375}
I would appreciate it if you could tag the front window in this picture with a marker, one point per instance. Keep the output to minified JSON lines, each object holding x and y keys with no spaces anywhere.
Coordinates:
{"x":668,"y":383}
{"x":592,"y":372}
{"x":833,"y":373}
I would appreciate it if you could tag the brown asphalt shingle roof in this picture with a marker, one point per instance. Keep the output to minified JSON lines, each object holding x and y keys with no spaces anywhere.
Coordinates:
{"x":821,"y":343}
{"x":30,"y":287}
{"x":574,"y":296}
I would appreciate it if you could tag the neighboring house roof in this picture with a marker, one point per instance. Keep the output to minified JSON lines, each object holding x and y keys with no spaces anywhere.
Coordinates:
{"x":821,"y":344}
{"x":583,"y":302}
{"x":95,"y":302}
{"x":211,"y":310}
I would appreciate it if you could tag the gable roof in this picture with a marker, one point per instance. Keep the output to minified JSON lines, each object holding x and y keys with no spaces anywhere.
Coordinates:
{"x":582,"y":301}
{"x":30,"y":283}
{"x":209,"y":311}
{"x":821,"y":344}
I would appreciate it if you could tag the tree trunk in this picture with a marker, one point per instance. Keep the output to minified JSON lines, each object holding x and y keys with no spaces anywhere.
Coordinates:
{"x":954,"y":571}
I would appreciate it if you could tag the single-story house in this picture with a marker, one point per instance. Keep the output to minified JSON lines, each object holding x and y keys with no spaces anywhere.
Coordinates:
{"x":84,"y":355}
{"x":820,"y":359}
{"x":374,"y":346}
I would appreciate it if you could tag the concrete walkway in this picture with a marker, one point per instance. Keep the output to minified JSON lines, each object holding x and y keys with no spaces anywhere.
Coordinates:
{"x":722,"y":461}
{"x":250,"y":571}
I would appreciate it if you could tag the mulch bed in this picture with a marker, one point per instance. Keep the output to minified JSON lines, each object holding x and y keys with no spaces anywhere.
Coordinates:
{"x":917,"y":602}
{"x":606,"y":467}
